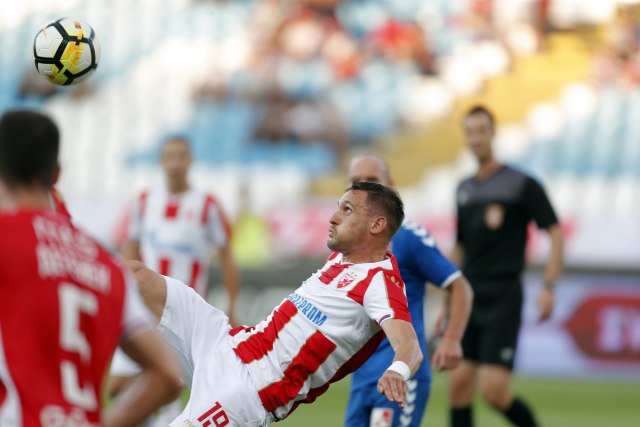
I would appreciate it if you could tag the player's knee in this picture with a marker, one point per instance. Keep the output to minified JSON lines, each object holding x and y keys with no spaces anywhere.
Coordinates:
{"x":461,"y":397}
{"x":133,"y":265}
{"x":116,"y":385}
{"x":460,"y":393}
{"x":497,"y":395}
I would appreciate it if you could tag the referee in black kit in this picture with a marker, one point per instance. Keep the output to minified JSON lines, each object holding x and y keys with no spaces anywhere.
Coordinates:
{"x":494,"y":208}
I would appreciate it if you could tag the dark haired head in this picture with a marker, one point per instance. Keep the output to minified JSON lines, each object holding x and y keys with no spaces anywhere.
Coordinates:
{"x":481,"y":109}
{"x":29,"y":144}
{"x":384,"y":200}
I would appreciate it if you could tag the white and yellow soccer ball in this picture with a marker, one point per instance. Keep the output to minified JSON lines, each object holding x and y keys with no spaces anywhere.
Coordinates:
{"x":66,"y":51}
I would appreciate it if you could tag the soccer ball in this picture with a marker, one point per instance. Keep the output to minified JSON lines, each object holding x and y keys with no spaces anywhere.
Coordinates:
{"x":66,"y":51}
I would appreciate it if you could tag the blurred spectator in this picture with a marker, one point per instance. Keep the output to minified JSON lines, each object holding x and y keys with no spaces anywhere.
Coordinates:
{"x":339,"y":72}
{"x":403,"y":41}
{"x":285,"y":119}
{"x":617,"y":61}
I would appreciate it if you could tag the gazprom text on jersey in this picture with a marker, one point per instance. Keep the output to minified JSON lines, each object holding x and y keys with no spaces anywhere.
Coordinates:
{"x":310,"y":311}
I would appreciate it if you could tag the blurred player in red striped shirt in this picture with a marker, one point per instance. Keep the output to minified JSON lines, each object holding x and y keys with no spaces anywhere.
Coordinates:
{"x":177,"y":230}
{"x":65,"y":303}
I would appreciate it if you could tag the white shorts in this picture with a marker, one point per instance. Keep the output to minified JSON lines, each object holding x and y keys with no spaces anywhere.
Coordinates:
{"x":222,"y":393}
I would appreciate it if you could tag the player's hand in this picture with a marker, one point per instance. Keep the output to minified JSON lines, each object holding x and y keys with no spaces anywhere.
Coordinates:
{"x":448,"y":354}
{"x":546,"y":301}
{"x":392,"y":385}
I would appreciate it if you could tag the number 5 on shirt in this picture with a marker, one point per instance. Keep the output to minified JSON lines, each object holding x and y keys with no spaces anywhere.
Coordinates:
{"x":73,"y":302}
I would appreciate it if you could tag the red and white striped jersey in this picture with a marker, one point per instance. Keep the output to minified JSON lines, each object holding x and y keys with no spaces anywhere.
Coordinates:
{"x":323,"y":331}
{"x":177,"y":233}
{"x":64,"y":306}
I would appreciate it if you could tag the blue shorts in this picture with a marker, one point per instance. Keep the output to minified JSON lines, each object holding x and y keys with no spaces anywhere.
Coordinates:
{"x":368,"y":408}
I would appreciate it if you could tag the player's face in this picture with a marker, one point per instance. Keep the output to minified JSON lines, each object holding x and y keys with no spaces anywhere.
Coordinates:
{"x":369,"y":169}
{"x":479,"y":133}
{"x":350,"y":223}
{"x":176,"y":159}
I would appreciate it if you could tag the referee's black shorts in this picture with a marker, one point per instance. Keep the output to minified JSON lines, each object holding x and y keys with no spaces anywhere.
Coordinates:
{"x":492,"y":334}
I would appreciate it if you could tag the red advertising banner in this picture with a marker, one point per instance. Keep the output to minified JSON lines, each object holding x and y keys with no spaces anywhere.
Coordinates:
{"x":607,"y":327}
{"x":595,"y":329}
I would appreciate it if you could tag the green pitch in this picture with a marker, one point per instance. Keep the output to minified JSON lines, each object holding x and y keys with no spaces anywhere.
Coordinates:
{"x":558,"y":403}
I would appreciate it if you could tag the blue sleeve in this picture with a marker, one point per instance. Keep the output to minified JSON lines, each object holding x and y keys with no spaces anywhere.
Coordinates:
{"x":428,"y":261}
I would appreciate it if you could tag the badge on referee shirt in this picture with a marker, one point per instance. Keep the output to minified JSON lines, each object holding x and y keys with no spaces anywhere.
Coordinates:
{"x":494,"y":216}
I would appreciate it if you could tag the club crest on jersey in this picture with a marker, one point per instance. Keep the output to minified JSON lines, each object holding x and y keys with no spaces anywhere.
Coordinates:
{"x":347,"y":279}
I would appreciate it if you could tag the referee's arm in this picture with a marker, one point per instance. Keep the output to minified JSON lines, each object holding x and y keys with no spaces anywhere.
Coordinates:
{"x":539,"y":207}
{"x":458,"y":300}
{"x":552,"y":271}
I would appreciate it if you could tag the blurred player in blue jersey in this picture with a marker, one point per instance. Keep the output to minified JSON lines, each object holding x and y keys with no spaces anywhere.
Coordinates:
{"x":420,"y":262}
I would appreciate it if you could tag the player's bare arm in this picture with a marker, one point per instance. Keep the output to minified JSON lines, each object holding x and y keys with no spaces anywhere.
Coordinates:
{"x":131,"y":250}
{"x":408,"y":355}
{"x":456,"y":256}
{"x":449,"y":351}
{"x":159,"y":383}
{"x":153,"y":287}
{"x":552,"y":272}
{"x":231,"y":278}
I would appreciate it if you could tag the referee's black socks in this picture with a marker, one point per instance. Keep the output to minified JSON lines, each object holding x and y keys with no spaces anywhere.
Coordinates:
{"x":520,"y":414}
{"x":461,"y":417}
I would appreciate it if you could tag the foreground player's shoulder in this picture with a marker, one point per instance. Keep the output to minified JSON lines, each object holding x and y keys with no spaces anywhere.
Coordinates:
{"x":15,"y":227}
{"x":5,"y":221}
{"x":391,"y":271}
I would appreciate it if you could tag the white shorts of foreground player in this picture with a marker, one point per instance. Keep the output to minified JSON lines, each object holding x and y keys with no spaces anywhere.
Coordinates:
{"x":224,"y":393}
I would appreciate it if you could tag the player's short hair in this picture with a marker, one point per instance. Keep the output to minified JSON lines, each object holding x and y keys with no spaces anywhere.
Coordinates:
{"x":29,"y":145}
{"x":481,"y":109}
{"x":385,"y":199}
